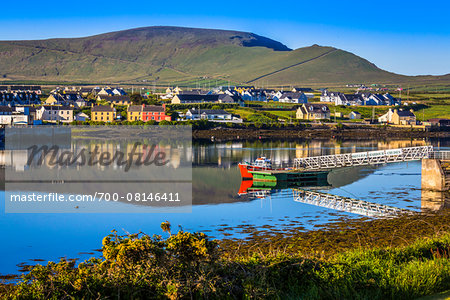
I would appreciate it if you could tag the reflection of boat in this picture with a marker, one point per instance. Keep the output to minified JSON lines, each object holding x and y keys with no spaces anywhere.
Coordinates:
{"x":261,"y":189}
{"x":260,"y":164}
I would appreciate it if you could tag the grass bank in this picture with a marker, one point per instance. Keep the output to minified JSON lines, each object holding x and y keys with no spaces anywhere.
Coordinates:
{"x":190,"y":265}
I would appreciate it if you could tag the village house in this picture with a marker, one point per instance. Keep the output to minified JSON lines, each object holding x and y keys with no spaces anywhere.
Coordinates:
{"x":55,"y":113}
{"x":404,"y":117}
{"x":119,"y":91}
{"x":19,"y":98}
{"x":310,"y":111}
{"x":276,"y":96}
{"x":85,"y":91}
{"x":134,"y":113}
{"x":5,"y":115}
{"x":115,"y":100}
{"x":29,"y":111}
{"x":379,"y":99}
{"x":32,"y":89}
{"x":302,"y":90}
{"x":387,"y":117}
{"x":147,"y":113}
{"x":81,"y":117}
{"x":103,"y":113}
{"x":106,"y":91}
{"x":155,"y":113}
{"x":291,"y":97}
{"x":208,"y":114}
{"x":55,"y":99}
{"x":338,"y":114}
{"x":354,"y":115}
{"x":254,"y":95}
{"x":349,"y":99}
{"x":195,"y":98}
{"x":398,"y":117}
{"x":329,"y":96}
{"x":9,"y":116}
{"x":437,"y":122}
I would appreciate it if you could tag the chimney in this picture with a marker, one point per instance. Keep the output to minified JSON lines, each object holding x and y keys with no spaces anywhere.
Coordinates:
{"x":411,"y":110}
{"x":143,"y":105}
{"x":164,"y":106}
{"x":395,"y":110}
{"x":112,"y":105}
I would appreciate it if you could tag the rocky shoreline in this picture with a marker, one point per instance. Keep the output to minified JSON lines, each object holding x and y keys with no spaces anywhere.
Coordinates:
{"x":323,"y":132}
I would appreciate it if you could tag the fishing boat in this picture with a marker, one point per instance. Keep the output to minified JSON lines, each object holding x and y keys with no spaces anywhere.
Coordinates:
{"x":260,"y":164}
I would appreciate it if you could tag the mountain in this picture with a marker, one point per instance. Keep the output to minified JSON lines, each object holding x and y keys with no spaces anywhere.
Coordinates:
{"x":176,"y":55}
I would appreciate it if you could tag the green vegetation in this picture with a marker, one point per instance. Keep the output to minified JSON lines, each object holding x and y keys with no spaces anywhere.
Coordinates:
{"x":188,"y":57}
{"x":190,"y":265}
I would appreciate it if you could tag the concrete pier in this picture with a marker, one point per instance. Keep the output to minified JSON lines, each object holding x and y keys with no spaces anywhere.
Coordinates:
{"x":435,"y":175}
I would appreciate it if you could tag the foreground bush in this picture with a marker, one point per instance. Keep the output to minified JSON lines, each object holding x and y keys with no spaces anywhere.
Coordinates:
{"x":189,"y":265}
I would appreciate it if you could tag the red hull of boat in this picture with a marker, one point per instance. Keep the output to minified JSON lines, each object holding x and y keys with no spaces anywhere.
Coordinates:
{"x":244,"y":169}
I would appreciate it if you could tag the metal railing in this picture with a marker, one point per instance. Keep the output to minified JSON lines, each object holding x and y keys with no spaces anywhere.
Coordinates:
{"x":363,"y":158}
{"x":441,"y":155}
{"x":350,"y":205}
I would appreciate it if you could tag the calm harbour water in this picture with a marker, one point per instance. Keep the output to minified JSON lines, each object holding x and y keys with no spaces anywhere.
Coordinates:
{"x":216,"y":182}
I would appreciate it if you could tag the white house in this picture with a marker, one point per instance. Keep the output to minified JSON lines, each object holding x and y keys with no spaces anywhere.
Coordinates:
{"x":291,"y":97}
{"x":208,"y":114}
{"x":387,"y":117}
{"x":329,"y":96}
{"x":119,"y":91}
{"x":55,"y":113}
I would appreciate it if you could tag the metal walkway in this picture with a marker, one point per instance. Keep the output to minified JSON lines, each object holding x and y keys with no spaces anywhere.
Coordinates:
{"x":355,"y":206}
{"x":363,"y":158}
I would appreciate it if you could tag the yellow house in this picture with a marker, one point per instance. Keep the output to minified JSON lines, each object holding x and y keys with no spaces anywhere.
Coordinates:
{"x":103,"y":113}
{"x":54,"y":99}
{"x":310,"y":111}
{"x":403,"y":117}
{"x":134,"y":113}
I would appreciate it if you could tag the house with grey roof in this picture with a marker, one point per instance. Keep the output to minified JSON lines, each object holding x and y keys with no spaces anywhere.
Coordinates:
{"x":208,"y":114}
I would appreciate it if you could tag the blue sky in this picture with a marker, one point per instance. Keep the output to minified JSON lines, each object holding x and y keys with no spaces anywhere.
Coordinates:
{"x":404,"y":37}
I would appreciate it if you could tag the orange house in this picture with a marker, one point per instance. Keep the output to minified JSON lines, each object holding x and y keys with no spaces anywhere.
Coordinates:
{"x":155,"y":113}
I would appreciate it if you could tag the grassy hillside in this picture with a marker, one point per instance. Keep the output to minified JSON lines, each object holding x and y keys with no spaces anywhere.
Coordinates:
{"x":175,"y":55}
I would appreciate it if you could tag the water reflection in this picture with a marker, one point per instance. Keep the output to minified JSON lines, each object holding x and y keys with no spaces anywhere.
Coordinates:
{"x":215,"y":185}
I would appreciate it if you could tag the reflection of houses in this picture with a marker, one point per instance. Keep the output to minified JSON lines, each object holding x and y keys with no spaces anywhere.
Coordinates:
{"x":17,"y":159}
{"x":309,"y":111}
{"x":208,"y":114}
